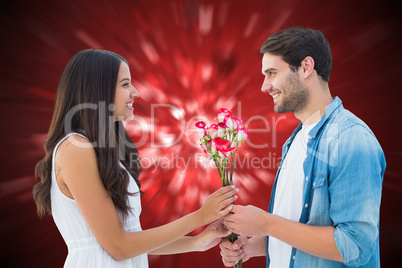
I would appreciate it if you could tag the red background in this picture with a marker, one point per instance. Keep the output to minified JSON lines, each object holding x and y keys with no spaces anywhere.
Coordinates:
{"x":196,"y":56}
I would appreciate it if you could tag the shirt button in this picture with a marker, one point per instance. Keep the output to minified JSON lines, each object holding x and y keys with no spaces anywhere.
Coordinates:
{"x":306,"y":178}
{"x":310,"y":138}
{"x":306,"y":205}
{"x":313,"y":183}
{"x":294,"y":257}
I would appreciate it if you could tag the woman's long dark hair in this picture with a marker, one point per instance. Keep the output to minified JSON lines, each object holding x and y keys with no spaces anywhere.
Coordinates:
{"x":85,"y":104}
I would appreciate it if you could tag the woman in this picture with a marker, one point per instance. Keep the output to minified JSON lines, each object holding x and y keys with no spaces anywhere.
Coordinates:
{"x":89,"y":176}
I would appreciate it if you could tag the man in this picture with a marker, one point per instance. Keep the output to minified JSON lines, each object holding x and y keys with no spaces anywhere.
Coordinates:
{"x":325,"y":201}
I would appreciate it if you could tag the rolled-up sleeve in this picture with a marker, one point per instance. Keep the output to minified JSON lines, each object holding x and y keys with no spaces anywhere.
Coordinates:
{"x":355,"y":186}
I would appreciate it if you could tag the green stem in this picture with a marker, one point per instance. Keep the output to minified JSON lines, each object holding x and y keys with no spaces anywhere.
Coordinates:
{"x":217,"y":165}
{"x":221,"y":169}
{"x":233,"y":163}
{"x":232,"y":238}
{"x":226,"y":172}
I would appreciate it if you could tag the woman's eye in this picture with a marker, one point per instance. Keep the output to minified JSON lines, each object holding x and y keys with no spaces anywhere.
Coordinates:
{"x":125,"y":84}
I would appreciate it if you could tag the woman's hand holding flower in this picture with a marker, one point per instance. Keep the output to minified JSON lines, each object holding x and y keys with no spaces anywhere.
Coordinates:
{"x":218,"y":204}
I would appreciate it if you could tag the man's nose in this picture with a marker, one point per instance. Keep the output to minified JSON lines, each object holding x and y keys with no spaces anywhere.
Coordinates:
{"x":266,"y":85}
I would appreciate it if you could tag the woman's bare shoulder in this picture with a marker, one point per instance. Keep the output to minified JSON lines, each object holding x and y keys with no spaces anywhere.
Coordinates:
{"x":75,"y":148}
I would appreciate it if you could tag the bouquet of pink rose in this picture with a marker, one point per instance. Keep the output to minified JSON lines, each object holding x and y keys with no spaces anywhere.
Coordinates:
{"x":221,"y":141}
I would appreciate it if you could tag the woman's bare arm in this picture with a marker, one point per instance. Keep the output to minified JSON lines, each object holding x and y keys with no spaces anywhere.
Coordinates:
{"x":79,"y":177}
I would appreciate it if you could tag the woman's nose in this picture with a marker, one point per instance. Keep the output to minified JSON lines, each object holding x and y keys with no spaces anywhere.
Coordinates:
{"x":134,"y":93}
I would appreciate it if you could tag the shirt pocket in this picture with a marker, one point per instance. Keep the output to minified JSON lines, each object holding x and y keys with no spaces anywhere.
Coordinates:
{"x":320,"y":199}
{"x":318,"y":181}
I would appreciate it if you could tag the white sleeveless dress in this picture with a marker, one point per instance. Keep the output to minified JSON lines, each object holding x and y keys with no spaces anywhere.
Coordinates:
{"x":83,"y":248}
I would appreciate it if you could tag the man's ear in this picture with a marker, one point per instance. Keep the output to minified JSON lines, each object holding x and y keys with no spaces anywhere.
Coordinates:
{"x":307,"y":66}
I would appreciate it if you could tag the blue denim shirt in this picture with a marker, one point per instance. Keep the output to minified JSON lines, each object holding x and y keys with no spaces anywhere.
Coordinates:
{"x":343,"y":174}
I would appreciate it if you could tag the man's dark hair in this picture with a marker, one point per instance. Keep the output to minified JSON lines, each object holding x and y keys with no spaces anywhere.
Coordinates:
{"x":296,"y":43}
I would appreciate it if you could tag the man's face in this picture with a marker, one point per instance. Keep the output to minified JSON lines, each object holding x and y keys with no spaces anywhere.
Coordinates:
{"x":284,"y":85}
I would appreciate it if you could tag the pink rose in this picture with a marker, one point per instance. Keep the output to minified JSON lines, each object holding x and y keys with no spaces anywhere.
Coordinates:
{"x":221,"y":130}
{"x":242,"y":134}
{"x":232,"y":123}
{"x":222,"y":146}
{"x":213,"y":131}
{"x":223,"y":112}
{"x":201,"y":125}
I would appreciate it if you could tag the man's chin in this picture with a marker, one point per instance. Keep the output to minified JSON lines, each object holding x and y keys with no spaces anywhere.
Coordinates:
{"x":279,"y":110}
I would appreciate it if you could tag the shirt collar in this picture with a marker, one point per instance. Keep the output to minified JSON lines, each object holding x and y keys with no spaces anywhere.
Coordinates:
{"x":331,"y":109}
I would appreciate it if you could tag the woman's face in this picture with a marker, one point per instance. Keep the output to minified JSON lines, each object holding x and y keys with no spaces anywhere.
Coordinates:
{"x":125,"y":95}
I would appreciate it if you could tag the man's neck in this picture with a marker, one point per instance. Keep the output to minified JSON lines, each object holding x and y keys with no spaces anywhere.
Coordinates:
{"x":315,"y":109}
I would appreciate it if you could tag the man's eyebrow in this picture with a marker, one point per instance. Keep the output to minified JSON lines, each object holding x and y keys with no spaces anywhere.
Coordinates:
{"x":269,"y":70}
{"x":124,"y":79}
